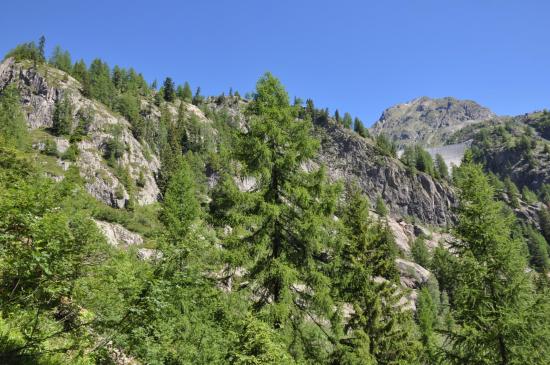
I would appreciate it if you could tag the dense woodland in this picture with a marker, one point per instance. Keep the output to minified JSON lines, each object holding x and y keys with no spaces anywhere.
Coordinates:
{"x":298,"y":270}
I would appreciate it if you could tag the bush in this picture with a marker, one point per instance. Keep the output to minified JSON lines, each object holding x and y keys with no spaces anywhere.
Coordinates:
{"x":50,"y":148}
{"x":71,"y":153}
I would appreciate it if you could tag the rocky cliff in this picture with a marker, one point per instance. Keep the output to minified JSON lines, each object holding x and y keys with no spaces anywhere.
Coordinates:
{"x":355,"y":159}
{"x":429,"y":121}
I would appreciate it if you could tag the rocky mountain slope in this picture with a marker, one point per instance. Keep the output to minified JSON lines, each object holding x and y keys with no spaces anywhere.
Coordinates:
{"x":355,"y":159}
{"x":427,"y":121}
{"x":347,"y":155}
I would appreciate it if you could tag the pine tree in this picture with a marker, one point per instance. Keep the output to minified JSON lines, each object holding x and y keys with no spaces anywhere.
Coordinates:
{"x":499,"y":317}
{"x":169,"y":91}
{"x":337,"y":116}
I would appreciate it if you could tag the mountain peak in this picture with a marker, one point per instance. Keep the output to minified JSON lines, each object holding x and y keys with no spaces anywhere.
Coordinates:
{"x":428,"y":121}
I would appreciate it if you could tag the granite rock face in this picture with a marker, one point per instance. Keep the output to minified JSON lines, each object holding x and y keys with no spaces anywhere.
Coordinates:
{"x":351,"y":158}
{"x":41,"y":88}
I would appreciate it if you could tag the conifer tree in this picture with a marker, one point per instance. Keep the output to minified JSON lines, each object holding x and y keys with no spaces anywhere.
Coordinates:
{"x":61,"y":59}
{"x":500,"y":319}
{"x":187,"y":94}
{"x":380,"y":207}
{"x":359,"y":128}
{"x":180,"y":206}
{"x":512,"y":192}
{"x":284,"y":218}
{"x":168,"y":89}
{"x":13,"y":127}
{"x":441,"y":166}
{"x":348,"y":120}
{"x":197,"y":98}
{"x":62,"y":117}
{"x":379,"y":330}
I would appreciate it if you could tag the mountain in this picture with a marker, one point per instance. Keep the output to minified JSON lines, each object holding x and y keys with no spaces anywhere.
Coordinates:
{"x":140,"y":225}
{"x":347,"y":155}
{"x":427,"y":121}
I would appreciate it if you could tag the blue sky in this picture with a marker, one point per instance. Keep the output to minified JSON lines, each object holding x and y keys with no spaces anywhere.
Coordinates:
{"x":356,"y":56}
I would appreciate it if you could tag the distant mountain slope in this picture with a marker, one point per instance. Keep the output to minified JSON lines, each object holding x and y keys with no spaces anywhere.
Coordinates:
{"x":429,"y":121}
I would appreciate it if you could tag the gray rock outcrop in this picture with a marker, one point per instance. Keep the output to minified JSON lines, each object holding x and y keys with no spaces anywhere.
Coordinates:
{"x":354,"y":159}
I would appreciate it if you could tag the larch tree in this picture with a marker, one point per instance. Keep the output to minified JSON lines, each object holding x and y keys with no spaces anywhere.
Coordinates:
{"x":379,"y":329}
{"x":500,"y":318}
{"x":284,"y":219}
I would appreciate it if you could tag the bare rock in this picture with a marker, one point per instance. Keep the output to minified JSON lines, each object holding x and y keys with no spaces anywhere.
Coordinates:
{"x":119,"y":236}
{"x":412,"y":274}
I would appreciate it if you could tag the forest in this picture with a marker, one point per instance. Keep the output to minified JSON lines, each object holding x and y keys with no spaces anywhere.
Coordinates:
{"x":299,"y":268}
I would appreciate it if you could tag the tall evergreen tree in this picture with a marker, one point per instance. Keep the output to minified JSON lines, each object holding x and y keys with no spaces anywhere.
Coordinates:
{"x":62,"y":116}
{"x":284,"y":219}
{"x":379,"y":329}
{"x":348,"y":120}
{"x":180,"y":206}
{"x":187,"y":93}
{"x":359,"y":128}
{"x":169,"y":90}
{"x":441,"y":167}
{"x":61,"y":59}
{"x":499,"y":317}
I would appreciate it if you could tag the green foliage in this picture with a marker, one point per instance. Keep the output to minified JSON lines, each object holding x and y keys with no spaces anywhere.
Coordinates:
{"x":62,"y":116}
{"x":512,"y":192}
{"x":386,"y":146}
{"x":528,"y":196}
{"x":169,"y":92}
{"x":417,"y":158}
{"x":348,"y":120}
{"x":426,"y":315}
{"x":114,"y":147}
{"x":29,"y":51}
{"x":46,"y":251}
{"x":186,"y":93}
{"x":420,"y":252}
{"x":442,"y":170}
{"x":50,"y":148}
{"x":180,"y":207}
{"x":360,"y":129}
{"x":198,"y":99}
{"x":494,"y":303}
{"x":61,"y":59}
{"x":101,"y":86}
{"x":538,"y":249}
{"x":258,"y":345}
{"x":379,"y":329}
{"x":380,"y":207}
{"x":13,"y":126}
{"x":281,"y":226}
{"x":71,"y":153}
{"x":544,"y":220}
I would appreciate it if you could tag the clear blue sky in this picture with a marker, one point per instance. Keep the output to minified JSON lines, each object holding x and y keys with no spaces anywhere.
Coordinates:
{"x":358,"y":56}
